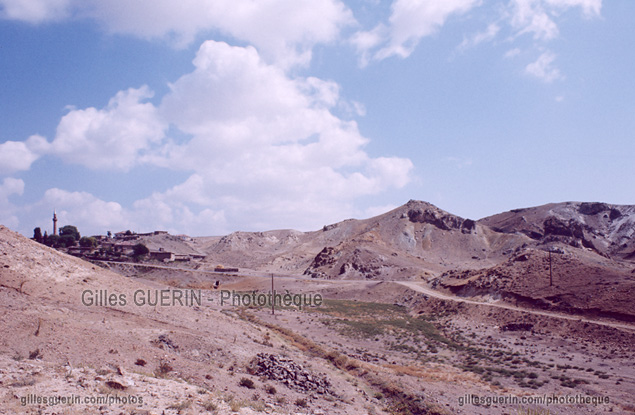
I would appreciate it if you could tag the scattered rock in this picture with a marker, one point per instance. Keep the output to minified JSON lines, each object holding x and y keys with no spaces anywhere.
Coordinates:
{"x":284,"y":370}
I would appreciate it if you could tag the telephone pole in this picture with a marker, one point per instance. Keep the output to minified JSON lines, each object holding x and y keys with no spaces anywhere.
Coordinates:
{"x":550,"y":274}
{"x":273,"y":297}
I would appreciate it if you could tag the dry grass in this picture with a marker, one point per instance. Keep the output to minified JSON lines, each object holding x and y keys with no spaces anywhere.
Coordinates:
{"x":400,"y":401}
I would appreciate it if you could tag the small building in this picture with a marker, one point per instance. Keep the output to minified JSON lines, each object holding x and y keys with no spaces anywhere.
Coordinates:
{"x":162,"y":255}
{"x":80,"y":250}
{"x":220,"y":268}
{"x":126,"y":236}
{"x":126,"y":247}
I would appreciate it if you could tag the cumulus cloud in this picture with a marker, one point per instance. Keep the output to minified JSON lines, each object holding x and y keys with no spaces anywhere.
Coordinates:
{"x":267,"y":144}
{"x":410,"y":20}
{"x":115,"y":137}
{"x":284,"y":31}
{"x":9,"y":186}
{"x":19,"y":155}
{"x":263,"y":149}
{"x":93,"y":215}
{"x":543,"y":68}
{"x":34,"y":11}
{"x":85,"y":211}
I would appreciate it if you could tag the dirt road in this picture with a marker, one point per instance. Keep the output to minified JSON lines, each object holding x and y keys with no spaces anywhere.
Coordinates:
{"x":432,"y":293}
{"x":415,"y":286}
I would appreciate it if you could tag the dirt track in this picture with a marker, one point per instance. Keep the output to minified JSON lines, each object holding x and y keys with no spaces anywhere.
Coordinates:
{"x":432,"y":293}
{"x":418,"y":287}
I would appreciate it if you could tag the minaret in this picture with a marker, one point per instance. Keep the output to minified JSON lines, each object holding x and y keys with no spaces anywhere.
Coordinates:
{"x":54,"y":223}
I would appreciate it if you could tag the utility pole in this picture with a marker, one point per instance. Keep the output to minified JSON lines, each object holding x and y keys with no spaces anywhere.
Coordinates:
{"x":550,"y":274}
{"x":273,"y":297}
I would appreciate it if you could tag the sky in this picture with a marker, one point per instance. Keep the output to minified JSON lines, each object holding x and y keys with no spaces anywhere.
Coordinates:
{"x":204,"y":117}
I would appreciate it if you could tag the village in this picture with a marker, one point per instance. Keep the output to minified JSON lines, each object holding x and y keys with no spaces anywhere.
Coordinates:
{"x":129,"y":246}
{"x":124,"y":246}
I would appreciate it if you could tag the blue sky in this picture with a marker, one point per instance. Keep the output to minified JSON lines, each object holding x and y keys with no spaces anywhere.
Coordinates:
{"x":209,"y":116}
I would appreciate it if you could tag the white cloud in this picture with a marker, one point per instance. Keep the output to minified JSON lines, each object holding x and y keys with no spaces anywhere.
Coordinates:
{"x":529,"y":16}
{"x":590,"y":8}
{"x":34,"y":11}
{"x":410,"y":20}
{"x":9,"y":186}
{"x":478,"y":38}
{"x":185,"y":208}
{"x":543,"y":68}
{"x":536,"y":16}
{"x":264,"y":150}
{"x":365,"y":42}
{"x":284,"y":31}
{"x":112,"y":138}
{"x":85,"y":211}
{"x":512,"y":53}
{"x":19,"y":155}
{"x":265,"y":145}
{"x":93,"y":215}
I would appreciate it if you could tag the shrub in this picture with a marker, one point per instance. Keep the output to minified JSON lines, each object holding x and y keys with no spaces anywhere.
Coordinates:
{"x":247,"y":383}
{"x":164,"y":368}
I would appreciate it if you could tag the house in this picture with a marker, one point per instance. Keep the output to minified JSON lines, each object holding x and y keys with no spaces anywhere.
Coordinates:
{"x":126,"y":247}
{"x":162,"y":255}
{"x":79,"y":250}
{"x":126,"y":236}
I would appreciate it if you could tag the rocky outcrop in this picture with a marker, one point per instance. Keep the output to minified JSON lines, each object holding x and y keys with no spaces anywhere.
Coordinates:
{"x":286,"y":371}
{"x":607,"y":229}
{"x":592,"y":208}
{"x":325,"y":258}
{"x":555,"y":226}
{"x":440,"y":219}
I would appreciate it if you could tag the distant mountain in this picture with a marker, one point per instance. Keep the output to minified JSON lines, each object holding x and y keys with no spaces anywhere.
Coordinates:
{"x":505,"y":256}
{"x":419,"y":240}
{"x":606,"y":229}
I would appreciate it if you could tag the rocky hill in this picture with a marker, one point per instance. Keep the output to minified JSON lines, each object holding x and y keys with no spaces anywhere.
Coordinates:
{"x":71,"y":328}
{"x":418,"y":239}
{"x":608,"y":230}
{"x":420,"y":308}
{"x":501,"y":256}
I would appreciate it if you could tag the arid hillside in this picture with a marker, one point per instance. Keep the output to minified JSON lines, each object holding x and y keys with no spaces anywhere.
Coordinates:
{"x":420,"y":309}
{"x":70,"y":328}
{"x":419,"y":240}
{"x":608,"y":230}
{"x":416,"y":239}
